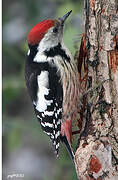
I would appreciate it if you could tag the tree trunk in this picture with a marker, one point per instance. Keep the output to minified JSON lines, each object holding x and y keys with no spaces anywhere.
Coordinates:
{"x":96,"y":157}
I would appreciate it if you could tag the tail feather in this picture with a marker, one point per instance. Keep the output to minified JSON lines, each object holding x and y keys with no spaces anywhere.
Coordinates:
{"x":68,"y":147}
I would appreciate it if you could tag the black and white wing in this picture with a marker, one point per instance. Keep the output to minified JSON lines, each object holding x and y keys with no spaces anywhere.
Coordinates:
{"x":46,"y":93}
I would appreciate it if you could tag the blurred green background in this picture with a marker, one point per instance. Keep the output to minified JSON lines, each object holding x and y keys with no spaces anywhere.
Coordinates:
{"x":26,"y":149}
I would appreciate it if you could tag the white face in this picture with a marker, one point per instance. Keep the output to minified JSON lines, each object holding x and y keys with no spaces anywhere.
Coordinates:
{"x":52,"y":37}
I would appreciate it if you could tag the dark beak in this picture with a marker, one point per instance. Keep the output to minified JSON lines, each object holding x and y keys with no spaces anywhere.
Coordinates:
{"x":63,"y":18}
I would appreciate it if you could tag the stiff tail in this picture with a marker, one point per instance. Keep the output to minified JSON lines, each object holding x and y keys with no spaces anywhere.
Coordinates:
{"x":68,"y":147}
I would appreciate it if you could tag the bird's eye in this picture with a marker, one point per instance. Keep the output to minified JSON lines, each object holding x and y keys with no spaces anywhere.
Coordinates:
{"x":55,"y":30}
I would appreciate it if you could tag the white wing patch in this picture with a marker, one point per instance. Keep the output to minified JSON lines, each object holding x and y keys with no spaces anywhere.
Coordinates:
{"x":28,"y":53}
{"x":42,"y":103}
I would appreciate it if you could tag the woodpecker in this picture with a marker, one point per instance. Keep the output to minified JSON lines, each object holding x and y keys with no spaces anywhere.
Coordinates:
{"x":52,"y":81}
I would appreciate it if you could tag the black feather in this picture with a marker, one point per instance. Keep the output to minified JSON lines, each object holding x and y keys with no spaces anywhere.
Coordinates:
{"x":34,"y":69}
{"x":57,"y":50}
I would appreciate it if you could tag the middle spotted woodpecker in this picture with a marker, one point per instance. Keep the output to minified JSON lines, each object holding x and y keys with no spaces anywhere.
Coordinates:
{"x":52,"y":81}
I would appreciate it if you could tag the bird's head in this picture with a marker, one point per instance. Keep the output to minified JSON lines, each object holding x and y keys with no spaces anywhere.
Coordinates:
{"x":49,"y":31}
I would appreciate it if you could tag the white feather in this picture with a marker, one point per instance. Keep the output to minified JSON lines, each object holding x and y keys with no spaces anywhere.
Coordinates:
{"x":59,"y":110}
{"x":57,"y":145}
{"x":42,"y":103}
{"x":40,"y":57}
{"x":57,"y":134}
{"x":49,"y":113}
{"x":28,"y":53}
{"x":49,"y":124}
{"x":52,"y":136}
{"x":44,"y":124}
{"x":49,"y":40}
{"x":59,"y":121}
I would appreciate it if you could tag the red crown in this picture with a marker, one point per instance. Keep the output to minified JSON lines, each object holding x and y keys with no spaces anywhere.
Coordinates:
{"x":39,"y":30}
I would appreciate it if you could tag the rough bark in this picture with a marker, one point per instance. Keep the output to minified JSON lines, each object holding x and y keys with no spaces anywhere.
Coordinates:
{"x":97,"y":153}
